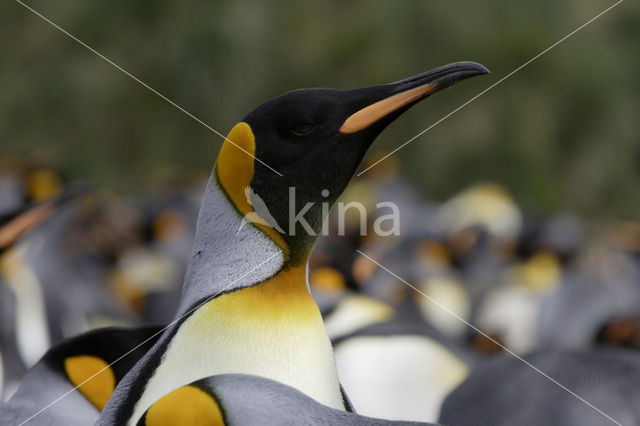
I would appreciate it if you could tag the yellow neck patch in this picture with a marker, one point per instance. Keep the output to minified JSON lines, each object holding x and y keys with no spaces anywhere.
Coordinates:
{"x":235,"y":168}
{"x":100,"y":380}
{"x":283,"y":296}
{"x":273,"y":330}
{"x":187,"y":405}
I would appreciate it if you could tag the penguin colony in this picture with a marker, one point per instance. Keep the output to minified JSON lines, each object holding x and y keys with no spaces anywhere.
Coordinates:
{"x":146,"y":312}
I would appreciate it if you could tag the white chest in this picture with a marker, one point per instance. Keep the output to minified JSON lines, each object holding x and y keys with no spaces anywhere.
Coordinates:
{"x":224,"y":336}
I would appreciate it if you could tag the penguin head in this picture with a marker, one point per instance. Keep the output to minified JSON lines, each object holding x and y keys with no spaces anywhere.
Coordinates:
{"x":299,"y":150}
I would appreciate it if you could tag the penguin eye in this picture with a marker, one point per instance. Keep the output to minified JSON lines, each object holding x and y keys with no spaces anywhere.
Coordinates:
{"x":303,"y":129}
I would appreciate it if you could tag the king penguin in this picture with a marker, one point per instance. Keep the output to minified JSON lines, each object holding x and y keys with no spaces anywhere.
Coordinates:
{"x":23,"y":327}
{"x":14,"y":330}
{"x":245,"y":306}
{"x":73,"y":381}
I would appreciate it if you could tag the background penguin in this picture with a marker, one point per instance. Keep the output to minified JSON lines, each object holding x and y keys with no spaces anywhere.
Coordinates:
{"x":598,"y":301}
{"x":512,"y":309}
{"x":425,"y":261}
{"x":480,"y":226}
{"x":238,"y":399}
{"x":94,"y":362}
{"x":503,"y":391}
{"x":344,"y":311}
{"x":348,"y":312}
{"x":23,"y":332}
{"x":12,"y":366}
{"x":402,"y":368}
{"x":378,"y":347}
{"x":485,"y":204}
{"x":25,"y":335}
{"x":245,"y":294}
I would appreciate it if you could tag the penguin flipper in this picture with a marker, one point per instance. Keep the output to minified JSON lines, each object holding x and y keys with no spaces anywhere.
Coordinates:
{"x":76,"y":377}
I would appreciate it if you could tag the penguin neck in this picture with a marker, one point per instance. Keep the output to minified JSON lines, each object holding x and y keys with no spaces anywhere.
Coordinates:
{"x":228,"y":254}
{"x":246,"y":310}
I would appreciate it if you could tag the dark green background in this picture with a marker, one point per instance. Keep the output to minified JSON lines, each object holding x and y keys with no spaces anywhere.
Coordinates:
{"x":563,"y":133}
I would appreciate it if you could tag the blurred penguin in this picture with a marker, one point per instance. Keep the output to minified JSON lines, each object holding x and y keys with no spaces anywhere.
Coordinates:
{"x":24,"y":334}
{"x":503,"y":391}
{"x":400,"y":369}
{"x":598,"y":302}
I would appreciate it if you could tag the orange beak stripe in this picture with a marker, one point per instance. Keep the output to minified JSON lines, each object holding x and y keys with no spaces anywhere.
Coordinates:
{"x":27,"y":220}
{"x":368,"y":115}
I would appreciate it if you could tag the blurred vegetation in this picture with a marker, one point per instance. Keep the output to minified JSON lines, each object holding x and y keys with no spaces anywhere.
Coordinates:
{"x":562,"y":134}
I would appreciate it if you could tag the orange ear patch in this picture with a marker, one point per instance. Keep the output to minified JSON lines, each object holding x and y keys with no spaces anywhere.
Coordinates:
{"x":235,"y":168}
{"x":187,"y":405}
{"x":99,"y":378}
{"x":235,"y":165}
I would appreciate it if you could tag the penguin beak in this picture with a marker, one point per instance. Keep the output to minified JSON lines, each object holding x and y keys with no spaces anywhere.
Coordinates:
{"x":397,"y":97}
{"x":17,"y":223}
{"x":10,"y":231}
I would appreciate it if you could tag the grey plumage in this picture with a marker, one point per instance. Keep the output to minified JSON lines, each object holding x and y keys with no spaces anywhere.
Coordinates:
{"x":40,"y":387}
{"x":216,"y":266}
{"x":47,"y":382}
{"x":251,"y":400}
{"x":504,"y":391}
{"x":572,"y":316}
